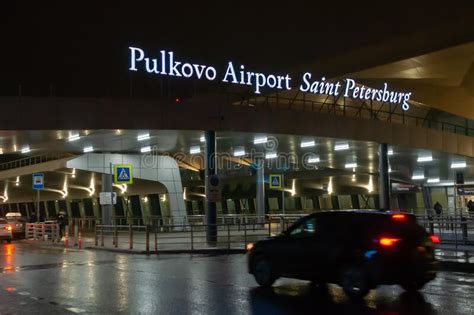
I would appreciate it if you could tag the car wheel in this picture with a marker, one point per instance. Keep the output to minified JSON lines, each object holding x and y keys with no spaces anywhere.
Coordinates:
{"x":263,"y":272}
{"x":354,"y":282}
{"x":413,"y":286}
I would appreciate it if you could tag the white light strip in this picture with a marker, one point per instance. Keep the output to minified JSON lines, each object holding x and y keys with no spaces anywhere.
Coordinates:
{"x":314,"y":159}
{"x":74,"y":137}
{"x":390,"y":152}
{"x":25,"y":150}
{"x":143,"y":137}
{"x":418,"y":177}
{"x":195,"y":150}
{"x":239,"y":152}
{"x":340,"y":147}
{"x":202,"y":139}
{"x":306,"y":144}
{"x":350,"y":165}
{"x":260,"y":140}
{"x":145,"y":149}
{"x":425,"y":159}
{"x":433,"y":180}
{"x":458,"y":165}
{"x":270,"y":155}
{"x":88,"y":149}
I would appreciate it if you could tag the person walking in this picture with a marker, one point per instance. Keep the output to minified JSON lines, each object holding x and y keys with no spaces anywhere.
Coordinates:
{"x":62,"y":221}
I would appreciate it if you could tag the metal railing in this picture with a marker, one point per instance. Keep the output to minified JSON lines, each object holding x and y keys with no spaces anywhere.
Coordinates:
{"x":42,"y":231}
{"x":33,"y":160}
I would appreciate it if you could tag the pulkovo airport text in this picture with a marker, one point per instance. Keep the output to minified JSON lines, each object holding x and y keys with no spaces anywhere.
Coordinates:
{"x":164,"y":63}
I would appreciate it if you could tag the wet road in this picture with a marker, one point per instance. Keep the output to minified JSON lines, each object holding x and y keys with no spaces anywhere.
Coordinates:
{"x":48,"y":280}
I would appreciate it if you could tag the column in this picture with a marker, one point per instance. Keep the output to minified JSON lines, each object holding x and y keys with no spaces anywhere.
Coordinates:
{"x":260,"y":188}
{"x":210,"y":169}
{"x":107,"y":209}
{"x":384,"y":179}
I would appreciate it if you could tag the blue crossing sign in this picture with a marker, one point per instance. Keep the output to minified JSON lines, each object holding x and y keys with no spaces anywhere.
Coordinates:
{"x":123,"y":174}
{"x":275,"y":181}
{"x":38,"y":181}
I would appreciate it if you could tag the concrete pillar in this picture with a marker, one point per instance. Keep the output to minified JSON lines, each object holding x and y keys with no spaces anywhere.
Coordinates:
{"x":96,"y":207}
{"x":107,"y":209}
{"x":384,"y":179}
{"x":210,"y":170}
{"x":260,"y":164}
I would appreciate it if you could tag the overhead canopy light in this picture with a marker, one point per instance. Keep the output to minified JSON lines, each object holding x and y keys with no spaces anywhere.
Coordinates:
{"x":390,"y":151}
{"x":195,"y":150}
{"x":25,"y":149}
{"x":341,"y":146}
{"x":259,"y":140}
{"x":418,"y":177}
{"x":88,"y":149}
{"x":433,"y":180}
{"x":74,"y":137}
{"x":145,"y":149}
{"x":458,"y":165}
{"x":202,"y":139}
{"x":239,"y":152}
{"x":142,"y":137}
{"x":350,"y":165}
{"x":271,"y":155}
{"x":313,"y":159}
{"x":427,"y":158}
{"x":306,"y":144}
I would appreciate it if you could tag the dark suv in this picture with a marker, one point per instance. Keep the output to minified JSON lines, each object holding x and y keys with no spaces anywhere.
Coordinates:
{"x":356,"y":249}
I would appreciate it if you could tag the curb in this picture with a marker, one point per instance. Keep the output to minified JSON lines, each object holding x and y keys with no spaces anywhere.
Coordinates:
{"x":217,"y":251}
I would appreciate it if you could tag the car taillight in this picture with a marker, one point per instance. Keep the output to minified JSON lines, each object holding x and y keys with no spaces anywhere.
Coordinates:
{"x":249,"y":246}
{"x":8,"y":228}
{"x":435,"y":239}
{"x":399,"y":217}
{"x":388,"y":242}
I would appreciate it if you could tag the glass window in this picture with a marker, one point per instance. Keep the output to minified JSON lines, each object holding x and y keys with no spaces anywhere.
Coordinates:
{"x":306,"y":228}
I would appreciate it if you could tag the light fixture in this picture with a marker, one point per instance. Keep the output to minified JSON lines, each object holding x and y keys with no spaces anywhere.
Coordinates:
{"x":433,"y":180}
{"x":350,"y":165}
{"x":88,"y":149}
{"x":418,"y":177}
{"x":458,"y":165}
{"x":271,"y":155}
{"x":145,"y":199}
{"x":142,"y":137}
{"x":427,"y":158}
{"x":306,"y":144}
{"x":73,"y":173}
{"x":145,"y":149}
{"x":258,"y":140}
{"x":195,"y":150}
{"x":341,"y":146}
{"x":330,"y":186}
{"x":202,"y":139}
{"x":239,"y":151}
{"x":163,"y":198}
{"x":370,"y":186}
{"x":313,"y":159}
{"x":353,"y":177}
{"x":390,"y":152}
{"x":25,"y":150}
{"x":74,"y":137}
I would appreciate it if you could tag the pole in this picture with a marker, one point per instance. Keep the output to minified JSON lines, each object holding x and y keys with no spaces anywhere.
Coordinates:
{"x":37,"y":205}
{"x":384,"y":179}
{"x":283,"y":193}
{"x":210,"y":170}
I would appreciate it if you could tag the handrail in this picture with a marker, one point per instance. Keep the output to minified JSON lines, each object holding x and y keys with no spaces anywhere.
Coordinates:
{"x":32,"y":160}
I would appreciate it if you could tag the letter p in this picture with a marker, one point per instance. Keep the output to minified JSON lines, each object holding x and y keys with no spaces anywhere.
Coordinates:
{"x":134,"y":58}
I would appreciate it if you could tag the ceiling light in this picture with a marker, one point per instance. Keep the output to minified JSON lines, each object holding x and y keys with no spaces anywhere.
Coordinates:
{"x":202,"y":139}
{"x":433,"y":180}
{"x":195,"y":150}
{"x":260,"y":140}
{"x":306,"y":144}
{"x":25,"y":150}
{"x":390,"y":152}
{"x":428,"y":158}
{"x":350,"y":165}
{"x":418,"y":177}
{"x":1,"y":150}
{"x":313,"y":159}
{"x":145,"y":136}
{"x":88,"y":149}
{"x":341,"y":146}
{"x":458,"y":165}
{"x":145,"y":149}
{"x":239,"y":152}
{"x":74,"y":137}
{"x":271,"y":155}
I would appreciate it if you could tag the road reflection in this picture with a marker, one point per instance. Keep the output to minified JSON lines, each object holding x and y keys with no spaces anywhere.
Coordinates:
{"x":7,"y":258}
{"x":306,"y":299}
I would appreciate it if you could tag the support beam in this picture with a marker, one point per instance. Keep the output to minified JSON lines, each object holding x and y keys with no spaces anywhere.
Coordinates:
{"x":260,"y":164}
{"x":210,"y":170}
{"x":107,"y":209}
{"x":384,"y":179}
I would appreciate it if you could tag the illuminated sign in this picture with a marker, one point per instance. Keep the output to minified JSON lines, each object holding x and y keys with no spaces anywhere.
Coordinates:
{"x":165,"y":63}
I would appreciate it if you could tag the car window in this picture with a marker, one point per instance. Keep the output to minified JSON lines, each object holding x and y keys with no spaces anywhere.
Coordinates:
{"x":306,"y":228}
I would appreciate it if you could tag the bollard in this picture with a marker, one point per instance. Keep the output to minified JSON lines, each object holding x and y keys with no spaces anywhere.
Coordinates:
{"x":79,"y":240}
{"x":156,"y":239}
{"x":130,"y":236}
{"x":66,"y":238}
{"x":228,"y":237}
{"x":192,"y":238}
{"x":96,"y":238}
{"x":147,"y":232}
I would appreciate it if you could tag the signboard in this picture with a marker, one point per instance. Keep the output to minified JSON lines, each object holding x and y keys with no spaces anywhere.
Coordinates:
{"x":275,"y":181}
{"x":165,"y":63}
{"x":108,"y":198}
{"x":465,"y":190}
{"x":123,"y":174}
{"x":213,"y":189}
{"x":404,"y":188}
{"x":38,"y":181}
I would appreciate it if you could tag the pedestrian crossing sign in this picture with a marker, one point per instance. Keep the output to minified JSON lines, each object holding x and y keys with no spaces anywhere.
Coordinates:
{"x":123,"y":174}
{"x":275,"y":181}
